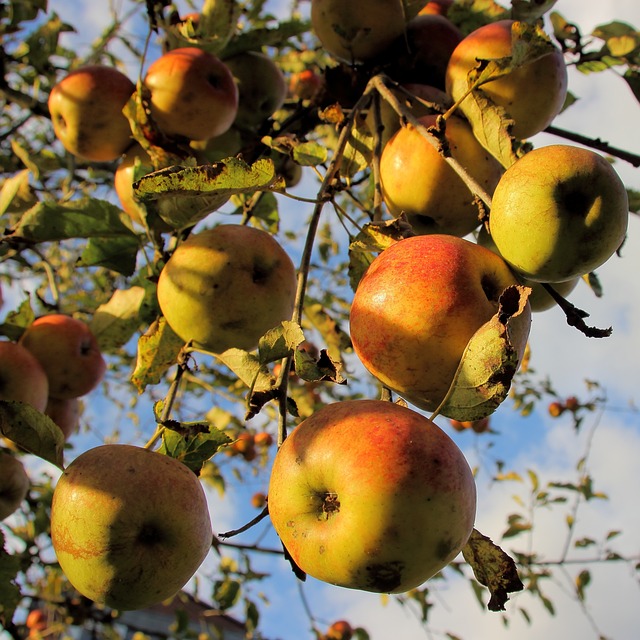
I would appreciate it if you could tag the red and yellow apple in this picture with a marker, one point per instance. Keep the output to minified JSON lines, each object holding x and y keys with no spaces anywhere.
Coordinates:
{"x":192,"y":94}
{"x":532,"y":95}
{"x":86,"y":112}
{"x":65,"y":412}
{"x":129,"y":526}
{"x":418,"y":181}
{"x":68,"y":352}
{"x":136,"y":158}
{"x":417,"y":306}
{"x":436,"y":7}
{"x":339,"y":630}
{"x":226,"y":286}
{"x":371,"y":495}
{"x":559,"y":212}
{"x":22,"y":377}
{"x":14,"y":484}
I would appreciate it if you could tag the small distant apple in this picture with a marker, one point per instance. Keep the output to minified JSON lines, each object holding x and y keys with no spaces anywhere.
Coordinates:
{"x":556,"y":408}
{"x":14,"y":484}
{"x":339,"y":630}
{"x":305,"y":84}
{"x":436,"y":7}
{"x":68,"y":352}
{"x":22,"y":377}
{"x":258,"y":500}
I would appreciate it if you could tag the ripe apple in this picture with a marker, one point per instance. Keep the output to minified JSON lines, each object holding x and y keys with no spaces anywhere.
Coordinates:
{"x":86,"y":112}
{"x":477,"y":426}
{"x":14,"y":484}
{"x":305,"y":85}
{"x":371,"y":495}
{"x":258,"y":500}
{"x":358,"y":30}
{"x":244,"y":445}
{"x":22,"y":377}
{"x":36,"y":622}
{"x":556,"y":409}
{"x":193,"y":94}
{"x":124,"y":178}
{"x":339,"y":630}
{"x":262,"y":88}
{"x":436,"y":7}
{"x":226,"y":286}
{"x":417,"y":306}
{"x":65,"y":412}
{"x":559,"y":212}
{"x":532,"y":95}
{"x":225,"y":145}
{"x":129,"y":526}
{"x":68,"y":352}
{"x":418,"y":181}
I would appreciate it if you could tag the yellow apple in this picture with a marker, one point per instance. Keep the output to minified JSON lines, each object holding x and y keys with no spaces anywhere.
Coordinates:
{"x":417,"y":306}
{"x":226,"y":286}
{"x":371,"y":495}
{"x":559,"y":212}
{"x":193,"y":94}
{"x":86,"y":112}
{"x":22,"y":377}
{"x":68,"y":352}
{"x":123,"y":181}
{"x":532,"y":95}
{"x":418,"y":181}
{"x":129,"y":526}
{"x":14,"y":484}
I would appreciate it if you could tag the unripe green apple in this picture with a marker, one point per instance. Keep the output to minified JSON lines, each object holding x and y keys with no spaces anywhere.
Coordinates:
{"x":532,"y":95}
{"x":418,"y":181}
{"x":68,"y":352}
{"x":559,"y":212}
{"x":86,"y":112}
{"x":129,"y":526}
{"x":22,"y":377}
{"x":226,"y":286}
{"x":371,"y":495}
{"x":193,"y":94}
{"x":14,"y":484}
{"x":417,"y":306}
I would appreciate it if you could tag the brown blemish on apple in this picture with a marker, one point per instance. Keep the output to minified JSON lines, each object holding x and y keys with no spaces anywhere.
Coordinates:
{"x":385,"y":577}
{"x":330,"y":504}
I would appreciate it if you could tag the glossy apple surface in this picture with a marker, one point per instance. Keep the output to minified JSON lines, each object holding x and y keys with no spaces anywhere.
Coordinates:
{"x":417,"y":306}
{"x":86,"y":112}
{"x":370,"y":495}
{"x":22,"y":377}
{"x":418,"y":181}
{"x":129,"y":526}
{"x":14,"y":484}
{"x":532,"y":95}
{"x":68,"y":352}
{"x":559,"y":212}
{"x":193,"y":94}
{"x":226,"y":286}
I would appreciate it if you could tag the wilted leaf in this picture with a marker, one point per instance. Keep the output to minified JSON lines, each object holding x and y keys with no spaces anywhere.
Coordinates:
{"x":325,"y":368}
{"x":32,"y":431}
{"x":17,"y":321}
{"x":336,"y":339}
{"x":12,"y":187}
{"x":488,"y":363}
{"x":192,"y":446}
{"x":114,"y":322}
{"x":279,"y":342}
{"x":492,"y":568}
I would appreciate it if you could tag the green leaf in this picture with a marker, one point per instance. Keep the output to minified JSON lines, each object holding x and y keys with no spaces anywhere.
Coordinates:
{"x":11,"y":187}
{"x":530,"y":10}
{"x":632,"y":78}
{"x":256,"y":39}
{"x":117,"y":254}
{"x":192,"y":443}
{"x":115,"y":322}
{"x":17,"y":321}
{"x":358,"y":152}
{"x":279,"y":342}
{"x":32,"y":431}
{"x":226,"y":593}
{"x":9,"y":590}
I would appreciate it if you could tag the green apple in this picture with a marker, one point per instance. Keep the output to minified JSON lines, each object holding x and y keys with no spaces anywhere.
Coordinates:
{"x":68,"y":352}
{"x":371,"y":495}
{"x":226,"y":286}
{"x":417,"y":306}
{"x":129,"y":526}
{"x":22,"y":377}
{"x":14,"y":484}
{"x":532,"y":95}
{"x":559,"y":212}
{"x":418,"y":181}
{"x":86,"y":112}
{"x":192,"y":94}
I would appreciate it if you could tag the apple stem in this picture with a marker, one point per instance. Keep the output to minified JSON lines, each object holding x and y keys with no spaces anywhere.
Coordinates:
{"x":254,"y":521}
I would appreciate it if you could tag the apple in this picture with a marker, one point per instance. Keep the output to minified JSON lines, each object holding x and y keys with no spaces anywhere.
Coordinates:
{"x":14,"y":484}
{"x":371,"y":495}
{"x":358,"y":30}
{"x":192,"y":94}
{"x":263,"y":439}
{"x":555,"y":409}
{"x":339,"y":630}
{"x":244,"y":445}
{"x":559,"y":212}
{"x":225,"y":145}
{"x":68,"y":352}
{"x":262,"y":88}
{"x":417,"y":306}
{"x":226,"y":286}
{"x":477,"y":426}
{"x":305,"y":84}
{"x":258,"y":500}
{"x":22,"y":377}
{"x":532,"y":95}
{"x":86,"y":112}
{"x":123,"y":181}
{"x":436,"y":7}
{"x":572,"y":404}
{"x":418,"y":181}
{"x":36,"y":622}
{"x":65,"y":412}
{"x":129,"y":526}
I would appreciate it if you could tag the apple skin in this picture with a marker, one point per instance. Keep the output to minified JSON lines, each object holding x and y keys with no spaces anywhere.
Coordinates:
{"x":123,"y":182}
{"x":86,"y":112}
{"x":262,"y":88}
{"x":417,"y":306}
{"x":65,"y":413}
{"x":129,"y":526}
{"x":22,"y":377}
{"x":436,"y":7}
{"x":226,"y":286}
{"x":193,"y":94}
{"x":559,"y":212}
{"x":14,"y":484}
{"x":371,"y":495}
{"x":68,"y":352}
{"x":418,"y":181}
{"x":532,"y":95}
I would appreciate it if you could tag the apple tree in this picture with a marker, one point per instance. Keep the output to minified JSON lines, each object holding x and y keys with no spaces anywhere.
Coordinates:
{"x":236,"y":216}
